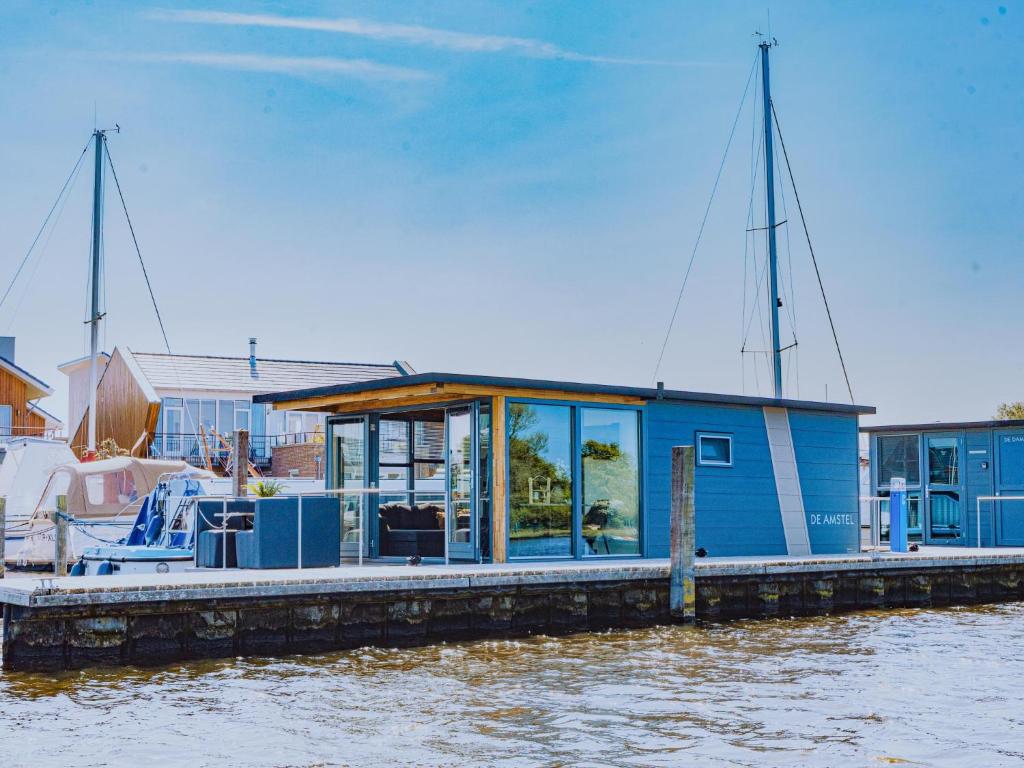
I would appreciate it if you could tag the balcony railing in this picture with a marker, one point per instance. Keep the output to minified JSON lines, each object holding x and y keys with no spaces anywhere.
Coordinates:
{"x":190,"y":447}
{"x":13,"y":433}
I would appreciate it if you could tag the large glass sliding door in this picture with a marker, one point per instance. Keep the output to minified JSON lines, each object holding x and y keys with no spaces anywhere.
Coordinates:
{"x":610,"y":451}
{"x":574,"y":481}
{"x":540,"y":466}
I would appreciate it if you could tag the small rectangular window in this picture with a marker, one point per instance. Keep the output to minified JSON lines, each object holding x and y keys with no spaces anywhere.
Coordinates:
{"x":714,"y":450}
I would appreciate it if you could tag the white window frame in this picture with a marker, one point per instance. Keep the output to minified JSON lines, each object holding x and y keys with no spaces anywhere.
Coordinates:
{"x":711,"y":462}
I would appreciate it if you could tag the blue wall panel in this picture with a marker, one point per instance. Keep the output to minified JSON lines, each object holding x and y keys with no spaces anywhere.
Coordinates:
{"x":826,"y":448}
{"x":737,"y":507}
{"x":979,"y":482}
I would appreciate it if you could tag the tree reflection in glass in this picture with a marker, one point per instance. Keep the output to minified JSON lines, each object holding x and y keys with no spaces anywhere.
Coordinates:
{"x":611,"y":482}
{"x":540,"y":480}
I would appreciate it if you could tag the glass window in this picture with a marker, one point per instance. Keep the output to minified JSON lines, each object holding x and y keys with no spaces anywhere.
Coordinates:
{"x":943,"y":461}
{"x":6,"y":419}
{"x":714,"y":450}
{"x":393,"y":441}
{"x":111,"y":488}
{"x":348,"y":456}
{"x":208,"y":415}
{"x":899,"y":456}
{"x":225,"y":416}
{"x":611,"y":481}
{"x":428,"y":441}
{"x":191,"y":417}
{"x":914,"y":530}
{"x":540,"y":480}
{"x":349,"y":447}
{"x":460,"y":478}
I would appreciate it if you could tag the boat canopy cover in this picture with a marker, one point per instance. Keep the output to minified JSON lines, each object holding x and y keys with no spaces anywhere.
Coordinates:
{"x":27,"y":466}
{"x":107,"y":488}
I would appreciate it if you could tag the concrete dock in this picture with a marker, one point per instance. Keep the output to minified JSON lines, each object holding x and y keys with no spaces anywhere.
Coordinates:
{"x":68,"y":623}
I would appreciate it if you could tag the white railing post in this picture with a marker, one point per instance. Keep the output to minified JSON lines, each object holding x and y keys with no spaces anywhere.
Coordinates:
{"x":977,"y":508}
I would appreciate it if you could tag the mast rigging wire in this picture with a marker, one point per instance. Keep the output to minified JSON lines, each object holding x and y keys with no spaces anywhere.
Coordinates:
{"x":42,"y":227}
{"x":43,"y":250}
{"x":700,"y":232}
{"x":814,"y":260}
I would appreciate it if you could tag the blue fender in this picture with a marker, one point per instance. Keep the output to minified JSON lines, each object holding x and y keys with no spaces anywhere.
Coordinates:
{"x":106,"y":568}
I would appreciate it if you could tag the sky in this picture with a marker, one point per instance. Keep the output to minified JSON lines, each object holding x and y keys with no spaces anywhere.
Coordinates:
{"x":515,"y":188}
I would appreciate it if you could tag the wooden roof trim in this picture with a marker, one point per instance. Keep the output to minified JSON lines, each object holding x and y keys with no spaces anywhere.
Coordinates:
{"x":400,"y":396}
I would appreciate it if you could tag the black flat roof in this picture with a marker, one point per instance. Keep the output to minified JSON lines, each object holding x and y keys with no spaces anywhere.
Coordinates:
{"x":646,"y":393}
{"x":945,"y":426}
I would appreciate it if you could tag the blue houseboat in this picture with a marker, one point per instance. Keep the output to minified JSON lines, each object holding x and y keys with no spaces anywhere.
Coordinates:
{"x":487,"y":469}
{"x":956,"y":475}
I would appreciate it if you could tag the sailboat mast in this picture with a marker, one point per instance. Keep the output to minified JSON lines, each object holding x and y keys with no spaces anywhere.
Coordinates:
{"x":94,"y":314}
{"x":769,"y":180}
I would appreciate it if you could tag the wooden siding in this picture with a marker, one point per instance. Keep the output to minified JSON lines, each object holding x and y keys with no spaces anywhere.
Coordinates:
{"x":123,"y":410}
{"x":14,"y":392}
{"x":499,"y":492}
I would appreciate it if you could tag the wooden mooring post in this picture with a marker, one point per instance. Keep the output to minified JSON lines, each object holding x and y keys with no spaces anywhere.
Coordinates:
{"x":60,"y":537}
{"x":240,"y":464}
{"x":682,"y":587}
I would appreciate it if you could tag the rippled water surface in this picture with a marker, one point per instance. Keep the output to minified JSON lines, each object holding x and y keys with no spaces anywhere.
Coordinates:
{"x":943,"y":687}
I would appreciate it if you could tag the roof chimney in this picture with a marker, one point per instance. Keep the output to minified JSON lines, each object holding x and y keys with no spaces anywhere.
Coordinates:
{"x":7,"y":348}
{"x":252,"y":356}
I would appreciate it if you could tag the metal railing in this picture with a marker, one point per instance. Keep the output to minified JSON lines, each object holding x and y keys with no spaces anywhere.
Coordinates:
{"x":875,"y":517}
{"x":13,"y":433}
{"x":977,"y":512}
{"x":225,"y":516}
{"x":189,"y":447}
{"x":295,"y":438}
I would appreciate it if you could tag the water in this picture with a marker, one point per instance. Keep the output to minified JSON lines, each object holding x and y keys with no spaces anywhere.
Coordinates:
{"x":936,"y":687}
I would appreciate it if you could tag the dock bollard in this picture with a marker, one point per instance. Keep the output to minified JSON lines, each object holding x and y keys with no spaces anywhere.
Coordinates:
{"x":60,"y":538}
{"x":682,"y":575}
{"x":3,"y":533}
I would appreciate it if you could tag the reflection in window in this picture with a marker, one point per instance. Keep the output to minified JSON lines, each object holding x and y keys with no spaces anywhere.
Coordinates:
{"x":540,"y":480}
{"x":349,"y":457}
{"x":714,"y":450}
{"x":899,"y":456}
{"x":914,"y":530}
{"x":394,"y":441}
{"x":943,"y":461}
{"x":611,"y":482}
{"x":349,"y":445}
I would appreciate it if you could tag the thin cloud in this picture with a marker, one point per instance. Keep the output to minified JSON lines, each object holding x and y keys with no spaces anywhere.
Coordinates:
{"x":288,"y":65}
{"x":404,"y":33}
